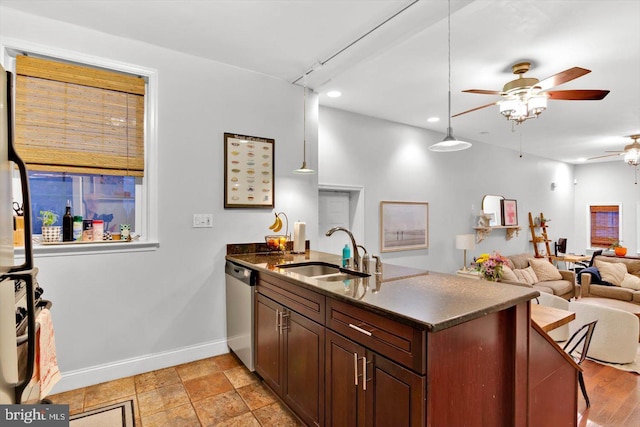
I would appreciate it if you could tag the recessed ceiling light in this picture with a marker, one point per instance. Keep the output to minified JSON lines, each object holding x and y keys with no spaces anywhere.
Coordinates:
{"x":433,"y":119}
{"x":334,"y":94}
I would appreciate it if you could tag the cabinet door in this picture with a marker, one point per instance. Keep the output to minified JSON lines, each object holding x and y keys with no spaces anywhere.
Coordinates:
{"x":269,"y":342}
{"x":395,"y":395}
{"x":344,"y":398}
{"x":304,"y":367}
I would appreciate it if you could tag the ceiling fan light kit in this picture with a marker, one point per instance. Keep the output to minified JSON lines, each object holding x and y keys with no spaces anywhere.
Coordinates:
{"x":526,"y":98}
{"x":631,"y":152}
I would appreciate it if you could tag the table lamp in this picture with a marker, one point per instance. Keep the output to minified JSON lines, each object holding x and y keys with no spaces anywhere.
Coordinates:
{"x":464,"y":242}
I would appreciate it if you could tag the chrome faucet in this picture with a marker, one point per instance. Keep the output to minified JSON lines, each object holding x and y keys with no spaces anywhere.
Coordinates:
{"x":365,"y":260}
{"x":354,"y":245}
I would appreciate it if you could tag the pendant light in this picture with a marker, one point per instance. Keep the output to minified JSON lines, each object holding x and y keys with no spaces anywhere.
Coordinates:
{"x":449,"y":143}
{"x":304,"y":169}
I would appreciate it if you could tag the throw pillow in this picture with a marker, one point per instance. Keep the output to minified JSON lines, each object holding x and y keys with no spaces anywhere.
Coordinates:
{"x":630,"y":281}
{"x":612,"y":272}
{"x":526,"y":275}
{"x":545,"y":271}
{"x":508,"y":274}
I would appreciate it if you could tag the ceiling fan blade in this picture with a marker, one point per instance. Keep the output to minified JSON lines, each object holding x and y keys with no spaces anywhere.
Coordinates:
{"x":483,"y":91}
{"x":474,"y":109}
{"x":562,"y":77}
{"x":602,"y":157}
{"x":578,"y":95}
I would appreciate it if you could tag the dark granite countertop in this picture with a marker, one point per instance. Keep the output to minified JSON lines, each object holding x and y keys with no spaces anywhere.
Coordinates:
{"x":429,"y":300}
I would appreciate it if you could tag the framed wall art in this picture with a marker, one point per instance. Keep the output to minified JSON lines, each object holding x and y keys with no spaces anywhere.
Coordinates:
{"x":248,"y":172}
{"x":404,"y":226}
{"x":509,"y":210}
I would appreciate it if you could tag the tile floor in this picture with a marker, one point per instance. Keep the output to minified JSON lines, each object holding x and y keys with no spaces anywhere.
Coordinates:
{"x":218,"y":391}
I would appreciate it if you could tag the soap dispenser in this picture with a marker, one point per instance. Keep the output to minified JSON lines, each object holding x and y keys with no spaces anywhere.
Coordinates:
{"x":346,"y":254}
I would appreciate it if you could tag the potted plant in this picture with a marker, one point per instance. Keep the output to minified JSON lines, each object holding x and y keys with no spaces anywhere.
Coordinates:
{"x":617,"y":247}
{"x":50,"y":232}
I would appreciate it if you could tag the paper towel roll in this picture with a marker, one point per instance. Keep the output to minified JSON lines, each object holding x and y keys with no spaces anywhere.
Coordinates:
{"x":299,"y":238}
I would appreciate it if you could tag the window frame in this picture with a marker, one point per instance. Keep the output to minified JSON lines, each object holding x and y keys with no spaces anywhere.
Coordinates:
{"x":588,"y":231}
{"x":147,"y":202}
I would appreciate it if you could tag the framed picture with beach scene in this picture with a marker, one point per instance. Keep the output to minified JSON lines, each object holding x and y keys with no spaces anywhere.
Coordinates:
{"x":404,"y":226}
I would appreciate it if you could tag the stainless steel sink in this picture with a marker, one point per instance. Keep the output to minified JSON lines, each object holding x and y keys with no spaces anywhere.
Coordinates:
{"x":322,"y":271}
{"x":338,"y":277}
{"x":312,"y":269}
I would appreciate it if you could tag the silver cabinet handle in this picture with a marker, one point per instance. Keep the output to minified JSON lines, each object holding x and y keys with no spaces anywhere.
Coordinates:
{"x":355,"y":368}
{"x":277,"y":320}
{"x":364,"y":373}
{"x":359,"y":329}
{"x":284,"y":324}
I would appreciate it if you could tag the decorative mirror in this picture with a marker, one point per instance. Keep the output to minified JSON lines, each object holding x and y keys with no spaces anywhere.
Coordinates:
{"x":491,"y":206}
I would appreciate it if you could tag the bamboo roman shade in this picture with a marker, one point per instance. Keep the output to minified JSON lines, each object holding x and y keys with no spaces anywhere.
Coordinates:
{"x":604,"y":225}
{"x":77,"y":119}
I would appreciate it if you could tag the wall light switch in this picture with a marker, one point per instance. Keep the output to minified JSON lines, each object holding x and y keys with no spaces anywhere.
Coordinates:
{"x":202,"y":220}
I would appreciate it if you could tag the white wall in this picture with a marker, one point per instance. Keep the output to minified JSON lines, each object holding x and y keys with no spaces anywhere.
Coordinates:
{"x":124,"y":313}
{"x":603,"y":184}
{"x":392,"y":162}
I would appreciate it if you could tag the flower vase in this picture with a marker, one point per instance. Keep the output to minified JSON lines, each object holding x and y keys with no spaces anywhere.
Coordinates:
{"x":51,"y":233}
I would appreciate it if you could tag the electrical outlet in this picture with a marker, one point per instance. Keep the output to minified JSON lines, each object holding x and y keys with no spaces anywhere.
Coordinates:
{"x":202,"y":220}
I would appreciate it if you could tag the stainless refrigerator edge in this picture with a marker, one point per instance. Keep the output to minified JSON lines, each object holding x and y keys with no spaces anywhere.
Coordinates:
{"x":16,"y":367}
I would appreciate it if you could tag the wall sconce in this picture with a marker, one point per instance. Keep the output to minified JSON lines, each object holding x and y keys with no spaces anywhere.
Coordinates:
{"x":465,"y":242}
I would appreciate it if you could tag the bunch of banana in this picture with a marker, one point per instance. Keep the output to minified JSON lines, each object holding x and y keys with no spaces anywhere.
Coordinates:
{"x":277,"y":224}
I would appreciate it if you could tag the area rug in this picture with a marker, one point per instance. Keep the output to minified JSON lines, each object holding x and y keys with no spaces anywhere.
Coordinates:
{"x":630,"y":367}
{"x":118,"y":415}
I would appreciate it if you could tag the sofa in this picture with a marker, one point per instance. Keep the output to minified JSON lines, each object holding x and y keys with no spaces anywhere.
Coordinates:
{"x":608,"y":279}
{"x":538,"y":273}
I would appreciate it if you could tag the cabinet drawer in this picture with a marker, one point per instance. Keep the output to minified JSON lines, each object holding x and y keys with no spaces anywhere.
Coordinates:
{"x":397,"y":341}
{"x":294,"y":297}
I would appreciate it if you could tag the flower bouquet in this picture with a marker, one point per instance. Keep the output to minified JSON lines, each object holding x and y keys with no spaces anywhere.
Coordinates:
{"x":490,"y":266}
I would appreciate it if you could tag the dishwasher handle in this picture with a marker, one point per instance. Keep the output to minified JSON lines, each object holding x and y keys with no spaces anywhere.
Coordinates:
{"x":245,"y":275}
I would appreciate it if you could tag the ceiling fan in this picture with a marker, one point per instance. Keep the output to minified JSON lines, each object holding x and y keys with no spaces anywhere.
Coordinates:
{"x":631,"y":152}
{"x":526,"y":97}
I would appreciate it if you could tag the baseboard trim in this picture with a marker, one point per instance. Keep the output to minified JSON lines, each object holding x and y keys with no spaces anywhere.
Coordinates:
{"x":137,"y":365}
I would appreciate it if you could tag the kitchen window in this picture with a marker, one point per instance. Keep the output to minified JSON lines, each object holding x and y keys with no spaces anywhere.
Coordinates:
{"x":605,"y":225}
{"x":83,"y":130}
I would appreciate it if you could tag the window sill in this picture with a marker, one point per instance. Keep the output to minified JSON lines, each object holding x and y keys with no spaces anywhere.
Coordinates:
{"x":89,"y":248}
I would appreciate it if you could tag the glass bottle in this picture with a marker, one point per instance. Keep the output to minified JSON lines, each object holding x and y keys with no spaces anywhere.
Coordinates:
{"x":67,"y":224}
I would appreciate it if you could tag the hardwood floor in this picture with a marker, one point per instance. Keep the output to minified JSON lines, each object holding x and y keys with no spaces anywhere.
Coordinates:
{"x":219,"y":391}
{"x":614,"y":396}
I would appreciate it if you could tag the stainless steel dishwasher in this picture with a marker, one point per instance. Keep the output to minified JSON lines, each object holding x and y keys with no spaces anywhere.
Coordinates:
{"x":240,"y":284}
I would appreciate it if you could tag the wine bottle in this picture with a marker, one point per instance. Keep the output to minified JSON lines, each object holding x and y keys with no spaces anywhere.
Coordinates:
{"x":67,"y":224}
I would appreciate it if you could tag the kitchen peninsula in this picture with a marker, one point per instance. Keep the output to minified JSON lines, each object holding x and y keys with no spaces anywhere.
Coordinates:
{"x":404,"y":347}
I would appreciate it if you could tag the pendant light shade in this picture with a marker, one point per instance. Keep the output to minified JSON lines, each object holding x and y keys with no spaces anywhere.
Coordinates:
{"x":304,"y":169}
{"x":450,"y":143}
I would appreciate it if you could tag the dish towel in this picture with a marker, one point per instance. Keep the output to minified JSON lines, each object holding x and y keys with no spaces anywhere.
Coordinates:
{"x":45,"y":369}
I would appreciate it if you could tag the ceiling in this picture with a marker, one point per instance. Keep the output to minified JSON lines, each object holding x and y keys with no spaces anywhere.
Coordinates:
{"x":389,"y":57}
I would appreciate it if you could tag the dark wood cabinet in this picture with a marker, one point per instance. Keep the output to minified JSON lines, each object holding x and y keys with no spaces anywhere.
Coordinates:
{"x":345,"y":403}
{"x":364,"y":388}
{"x":269,"y":345}
{"x":336,"y":363}
{"x":290,"y":357}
